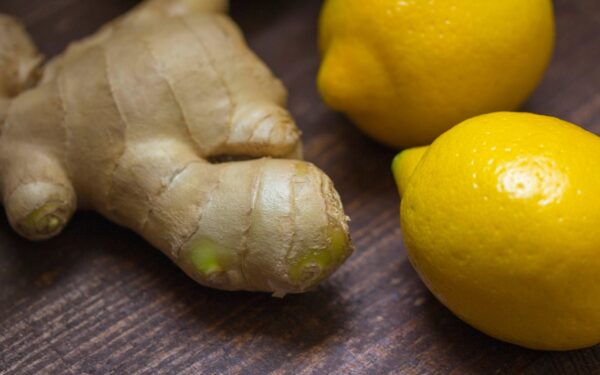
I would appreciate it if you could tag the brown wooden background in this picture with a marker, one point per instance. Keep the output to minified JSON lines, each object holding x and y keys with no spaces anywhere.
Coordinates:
{"x":99,"y":300}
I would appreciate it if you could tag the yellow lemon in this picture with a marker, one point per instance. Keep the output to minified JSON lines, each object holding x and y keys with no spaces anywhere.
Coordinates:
{"x":405,"y":71}
{"x":501,"y":218}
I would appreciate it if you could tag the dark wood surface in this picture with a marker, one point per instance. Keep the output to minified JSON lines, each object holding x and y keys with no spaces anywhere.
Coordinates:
{"x":99,"y":300}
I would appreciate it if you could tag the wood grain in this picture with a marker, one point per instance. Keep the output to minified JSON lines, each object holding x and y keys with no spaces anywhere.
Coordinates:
{"x":99,"y":300}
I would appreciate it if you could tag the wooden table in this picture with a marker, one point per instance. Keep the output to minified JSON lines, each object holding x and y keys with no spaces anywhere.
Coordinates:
{"x":99,"y":300}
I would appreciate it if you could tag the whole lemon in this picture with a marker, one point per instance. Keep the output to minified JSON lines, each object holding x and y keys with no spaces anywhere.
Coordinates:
{"x":501,"y":218}
{"x":405,"y":71}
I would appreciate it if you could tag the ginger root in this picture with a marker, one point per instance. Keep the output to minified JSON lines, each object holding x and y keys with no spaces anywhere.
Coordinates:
{"x":125,"y":123}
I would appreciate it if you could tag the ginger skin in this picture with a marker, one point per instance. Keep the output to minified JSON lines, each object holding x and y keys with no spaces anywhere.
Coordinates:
{"x":124,"y":123}
{"x":19,"y":61}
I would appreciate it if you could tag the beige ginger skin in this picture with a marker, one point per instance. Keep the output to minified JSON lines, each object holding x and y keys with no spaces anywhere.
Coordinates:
{"x":125,"y":123}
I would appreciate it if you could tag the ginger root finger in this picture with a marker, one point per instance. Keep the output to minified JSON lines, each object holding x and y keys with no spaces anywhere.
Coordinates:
{"x":277,"y":236}
{"x":262,"y":225}
{"x":19,"y":58}
{"x":38,"y":197}
{"x":19,"y":62}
